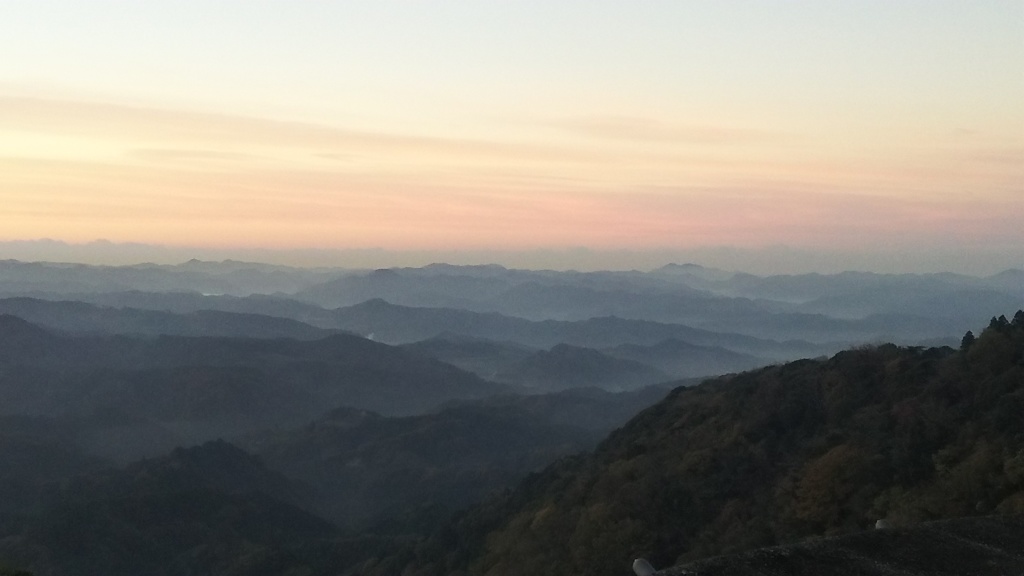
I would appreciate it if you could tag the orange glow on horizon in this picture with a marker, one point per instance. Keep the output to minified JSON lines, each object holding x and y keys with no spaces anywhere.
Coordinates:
{"x":168,"y":177}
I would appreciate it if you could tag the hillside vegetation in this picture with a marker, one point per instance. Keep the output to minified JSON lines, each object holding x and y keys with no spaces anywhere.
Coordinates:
{"x":809,"y":448}
{"x":977,"y":545}
{"x":139,"y":396}
{"x":769,"y":457}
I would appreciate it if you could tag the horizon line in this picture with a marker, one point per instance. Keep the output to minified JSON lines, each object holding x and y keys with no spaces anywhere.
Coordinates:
{"x":765,"y":260}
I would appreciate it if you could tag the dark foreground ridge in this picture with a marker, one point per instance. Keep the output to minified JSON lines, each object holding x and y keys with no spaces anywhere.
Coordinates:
{"x":988,"y":545}
{"x":770,"y":457}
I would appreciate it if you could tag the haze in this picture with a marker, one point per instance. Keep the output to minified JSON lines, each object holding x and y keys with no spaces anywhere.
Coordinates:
{"x":826,"y":136}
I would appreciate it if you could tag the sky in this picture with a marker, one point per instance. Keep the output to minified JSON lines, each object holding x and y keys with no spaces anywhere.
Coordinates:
{"x":559,"y":133}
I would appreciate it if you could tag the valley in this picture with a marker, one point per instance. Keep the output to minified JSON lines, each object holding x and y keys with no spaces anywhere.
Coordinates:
{"x":451,"y":420}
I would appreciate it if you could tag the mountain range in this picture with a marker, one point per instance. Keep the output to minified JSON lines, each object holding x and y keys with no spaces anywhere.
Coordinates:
{"x":808,"y":448}
{"x":239,"y":418}
{"x":843,"y":308}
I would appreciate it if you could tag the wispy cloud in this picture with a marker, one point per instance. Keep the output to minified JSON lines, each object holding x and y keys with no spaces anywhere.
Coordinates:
{"x":295,"y":208}
{"x":173,"y":176}
{"x":138,"y":125}
{"x":160,"y":155}
{"x":654,"y":130}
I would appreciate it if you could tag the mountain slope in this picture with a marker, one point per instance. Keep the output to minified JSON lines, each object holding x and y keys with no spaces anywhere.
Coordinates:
{"x":485,"y":358}
{"x":210,"y":509}
{"x":395,"y":324}
{"x":684,"y":360}
{"x":197,"y":389}
{"x":766,"y":457}
{"x":79,"y":317}
{"x":37,"y":456}
{"x":985,"y":546}
{"x":846,"y":307}
{"x":566,"y":366}
{"x":367,"y":469}
{"x":850,"y":307}
{"x":401,"y":474}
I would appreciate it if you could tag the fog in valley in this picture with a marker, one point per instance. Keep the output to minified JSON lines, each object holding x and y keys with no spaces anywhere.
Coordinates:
{"x":358,"y":410}
{"x":511,"y":288}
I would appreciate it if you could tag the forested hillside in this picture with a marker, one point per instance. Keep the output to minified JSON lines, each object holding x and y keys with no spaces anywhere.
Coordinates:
{"x":140,"y":396}
{"x":809,"y":448}
{"x":211,"y":509}
{"x":976,"y":545}
{"x":773,"y":456}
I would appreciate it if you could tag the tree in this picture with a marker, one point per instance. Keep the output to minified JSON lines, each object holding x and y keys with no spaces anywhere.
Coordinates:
{"x":967,"y":341}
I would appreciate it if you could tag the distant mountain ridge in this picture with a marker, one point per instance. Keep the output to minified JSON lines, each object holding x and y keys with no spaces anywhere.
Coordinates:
{"x":388,"y":399}
{"x":843,"y":309}
{"x":815,"y":307}
{"x":226,"y":277}
{"x":402,"y":324}
{"x":79,"y":317}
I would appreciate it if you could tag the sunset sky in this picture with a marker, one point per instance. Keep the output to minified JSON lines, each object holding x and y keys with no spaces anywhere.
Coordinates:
{"x":859,"y":127}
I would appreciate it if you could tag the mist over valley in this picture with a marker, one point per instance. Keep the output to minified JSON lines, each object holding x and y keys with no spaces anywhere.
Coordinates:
{"x":340,"y":416}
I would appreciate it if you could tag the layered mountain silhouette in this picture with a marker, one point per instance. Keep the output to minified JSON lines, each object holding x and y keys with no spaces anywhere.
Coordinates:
{"x":82,"y":318}
{"x":226,"y":277}
{"x":685,"y":360}
{"x":809,"y":448}
{"x":485,"y":358}
{"x":562,"y":367}
{"x":235,"y":418}
{"x":391,"y":323}
{"x":842,"y":308}
{"x":181,"y":389}
{"x":565,"y":366}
